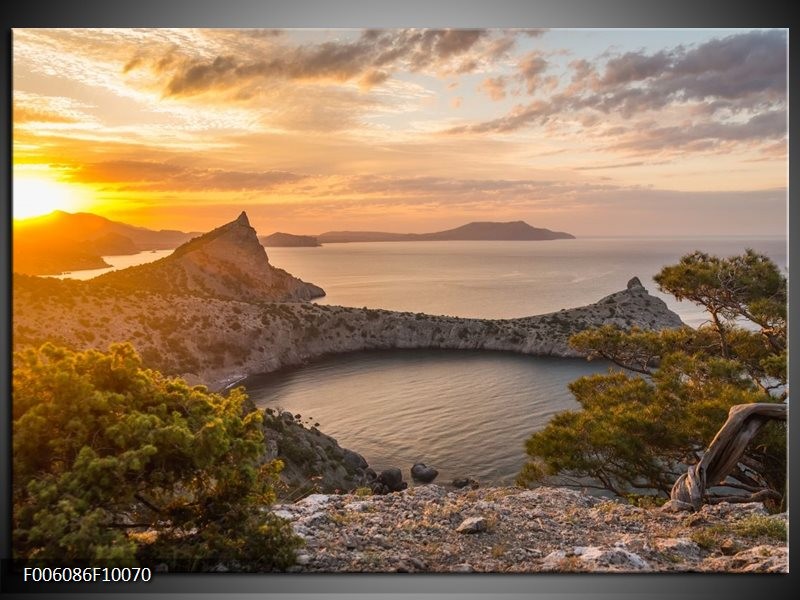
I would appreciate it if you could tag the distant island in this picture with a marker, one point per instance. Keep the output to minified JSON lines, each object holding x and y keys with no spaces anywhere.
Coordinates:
{"x":279,"y":239}
{"x":476,"y":231}
{"x":62,"y":241}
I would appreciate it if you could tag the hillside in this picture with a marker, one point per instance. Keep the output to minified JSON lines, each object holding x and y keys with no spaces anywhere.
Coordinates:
{"x":278,"y":239}
{"x":477,"y":231}
{"x":62,"y":241}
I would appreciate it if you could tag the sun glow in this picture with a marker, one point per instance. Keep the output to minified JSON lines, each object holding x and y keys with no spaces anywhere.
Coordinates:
{"x":35,"y":196}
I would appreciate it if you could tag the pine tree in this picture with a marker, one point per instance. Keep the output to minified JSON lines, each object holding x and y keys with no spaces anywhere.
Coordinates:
{"x":670,"y":391}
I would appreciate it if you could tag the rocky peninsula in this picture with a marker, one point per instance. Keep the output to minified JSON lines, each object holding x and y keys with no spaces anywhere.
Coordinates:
{"x":216,"y":311}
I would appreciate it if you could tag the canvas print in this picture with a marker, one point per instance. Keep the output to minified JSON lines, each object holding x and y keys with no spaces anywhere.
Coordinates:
{"x":400,"y":300}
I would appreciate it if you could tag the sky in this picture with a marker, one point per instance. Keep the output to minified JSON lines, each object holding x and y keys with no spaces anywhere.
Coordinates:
{"x":594,"y":132}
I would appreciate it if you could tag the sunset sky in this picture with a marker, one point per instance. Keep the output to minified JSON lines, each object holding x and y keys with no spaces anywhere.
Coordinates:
{"x":594,"y":132}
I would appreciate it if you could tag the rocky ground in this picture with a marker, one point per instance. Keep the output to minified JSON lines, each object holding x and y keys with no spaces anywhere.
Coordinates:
{"x":436,"y":529}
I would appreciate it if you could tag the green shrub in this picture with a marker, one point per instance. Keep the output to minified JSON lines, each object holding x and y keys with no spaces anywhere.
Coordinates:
{"x":115,"y":464}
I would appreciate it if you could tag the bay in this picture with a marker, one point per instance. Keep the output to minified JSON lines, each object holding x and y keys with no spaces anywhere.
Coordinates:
{"x":119,"y":261}
{"x":464,"y":413}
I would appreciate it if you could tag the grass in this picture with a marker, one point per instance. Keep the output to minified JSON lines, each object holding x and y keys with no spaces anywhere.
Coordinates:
{"x":707,"y":538}
{"x":752,"y":527}
{"x":756,"y":526}
{"x":646,"y":500}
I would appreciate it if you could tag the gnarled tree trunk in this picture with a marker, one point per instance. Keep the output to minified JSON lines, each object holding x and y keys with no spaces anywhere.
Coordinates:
{"x":726,"y":449}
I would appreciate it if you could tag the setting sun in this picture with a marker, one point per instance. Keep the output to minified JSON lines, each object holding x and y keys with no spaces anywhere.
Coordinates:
{"x":34,"y":196}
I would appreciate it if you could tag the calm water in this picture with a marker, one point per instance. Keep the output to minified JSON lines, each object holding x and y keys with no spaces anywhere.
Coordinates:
{"x":465,"y":413}
{"x":117,"y":262}
{"x":498,"y":279}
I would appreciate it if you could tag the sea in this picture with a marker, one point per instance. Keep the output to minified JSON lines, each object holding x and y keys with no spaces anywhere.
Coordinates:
{"x":466,"y":414}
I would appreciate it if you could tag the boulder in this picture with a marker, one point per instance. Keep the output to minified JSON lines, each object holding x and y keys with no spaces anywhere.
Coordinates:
{"x":389,"y":480}
{"x":462,"y":482}
{"x":472,"y":525}
{"x":635,"y":283}
{"x":423,"y":473}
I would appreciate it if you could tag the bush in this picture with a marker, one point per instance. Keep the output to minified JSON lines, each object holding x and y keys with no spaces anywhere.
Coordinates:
{"x":115,"y":464}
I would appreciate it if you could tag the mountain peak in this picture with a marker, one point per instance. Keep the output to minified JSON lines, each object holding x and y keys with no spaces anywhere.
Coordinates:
{"x":228,"y":262}
{"x":635,"y":284}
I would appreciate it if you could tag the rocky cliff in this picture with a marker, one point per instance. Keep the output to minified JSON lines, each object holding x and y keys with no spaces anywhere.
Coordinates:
{"x":215,"y":340}
{"x":313,"y":461}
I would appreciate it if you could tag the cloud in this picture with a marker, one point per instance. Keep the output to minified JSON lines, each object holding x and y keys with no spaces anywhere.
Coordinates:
{"x":37,"y":108}
{"x":632,"y":67}
{"x":165,"y":176}
{"x":725,"y":90}
{"x":369,"y":58}
{"x":495,"y":87}
{"x":531,"y":69}
{"x":703,"y":136}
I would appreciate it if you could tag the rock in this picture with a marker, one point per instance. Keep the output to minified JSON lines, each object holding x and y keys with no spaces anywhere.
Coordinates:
{"x":353,"y":459}
{"x":418,"y":563}
{"x":679,"y":548}
{"x":676,"y":506}
{"x":472,"y":525}
{"x":695,"y":520}
{"x":390,"y":480}
{"x":726,"y":508}
{"x":553,"y":561}
{"x":610,"y":559}
{"x":462,"y":482}
{"x":761,"y":559}
{"x":634,"y":283}
{"x":402,"y":567}
{"x":303,"y":559}
{"x":423,"y":473}
{"x":350,"y":542}
{"x":729,"y":547}
{"x":462,"y":568}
